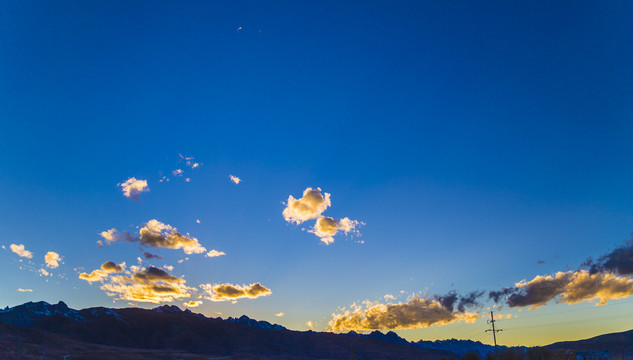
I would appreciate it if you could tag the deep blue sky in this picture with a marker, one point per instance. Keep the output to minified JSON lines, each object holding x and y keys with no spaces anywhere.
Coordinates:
{"x":472,"y":140}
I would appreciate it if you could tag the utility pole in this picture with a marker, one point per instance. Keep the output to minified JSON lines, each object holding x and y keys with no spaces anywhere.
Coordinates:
{"x":494,"y":332}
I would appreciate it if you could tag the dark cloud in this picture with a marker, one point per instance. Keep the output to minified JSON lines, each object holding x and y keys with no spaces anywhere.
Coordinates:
{"x":111,"y":267}
{"x":497,"y":296}
{"x":619,"y":261}
{"x":150,"y":256}
{"x":452,"y":301}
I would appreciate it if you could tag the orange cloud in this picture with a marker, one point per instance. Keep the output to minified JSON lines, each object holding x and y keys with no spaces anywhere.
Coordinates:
{"x":230,"y":292}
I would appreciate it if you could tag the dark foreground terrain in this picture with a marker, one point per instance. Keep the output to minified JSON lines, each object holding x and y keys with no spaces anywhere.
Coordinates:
{"x":43,"y":331}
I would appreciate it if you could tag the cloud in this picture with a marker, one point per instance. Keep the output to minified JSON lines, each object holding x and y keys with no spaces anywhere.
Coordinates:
{"x":567,"y":287}
{"x":198,"y":221}
{"x":192,"y":304}
{"x":235,"y":179}
{"x":109,"y":236}
{"x":453,"y":301}
{"x":157,"y":234}
{"x":19,"y":249}
{"x":52,"y":259}
{"x":280,"y":314}
{"x":43,"y":272}
{"x":177,"y":172}
{"x":619,"y":261}
{"x":168,"y":267}
{"x":310,"y":324}
{"x":111,"y":267}
{"x":230,"y":292}
{"x":24,"y":290}
{"x":415,"y":314}
{"x":141,"y":284}
{"x":310,"y":206}
{"x":95,"y":275}
{"x":132,"y":188}
{"x":389,"y":297}
{"x":215,"y":253}
{"x":189,"y":161}
{"x":150,"y":256}
{"x":326,"y":227}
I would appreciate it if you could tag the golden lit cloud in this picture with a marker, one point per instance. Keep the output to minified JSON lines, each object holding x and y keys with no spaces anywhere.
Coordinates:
{"x":571,"y":288}
{"x":132,"y":188}
{"x":600,"y":287}
{"x":95,"y":275}
{"x":151,"y":284}
{"x":415,"y":314}
{"x":281,"y":314}
{"x":192,"y":304}
{"x":24,"y":290}
{"x":43,"y":272}
{"x":157,"y":234}
{"x":326,"y":227}
{"x":52,"y":259}
{"x":215,"y":253}
{"x":109,"y":236}
{"x":310,"y":206}
{"x":235,"y":179}
{"x":230,"y":292}
{"x":19,"y":249}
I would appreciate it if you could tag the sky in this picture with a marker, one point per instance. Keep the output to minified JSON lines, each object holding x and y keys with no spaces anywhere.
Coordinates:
{"x":329,"y":165}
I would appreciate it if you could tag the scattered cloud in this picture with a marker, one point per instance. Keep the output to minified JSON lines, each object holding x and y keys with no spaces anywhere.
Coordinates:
{"x":389,"y":297}
{"x":177,"y":172}
{"x":52,"y":259}
{"x":215,"y":253}
{"x":95,"y":275}
{"x":168,"y":267}
{"x":157,"y":234}
{"x":132,"y":188}
{"x":415,"y":314}
{"x":192,"y":304}
{"x":189,"y":161}
{"x":198,"y":221}
{"x":43,"y":272}
{"x":230,"y":292}
{"x":19,"y":249}
{"x":310,"y":324}
{"x":111,"y":267}
{"x":141,"y":284}
{"x":109,"y":236}
{"x":566,"y":287}
{"x":310,"y":206}
{"x":280,"y":314}
{"x":326,"y":227}
{"x":235,"y":179}
{"x":150,"y":256}
{"x":24,"y":290}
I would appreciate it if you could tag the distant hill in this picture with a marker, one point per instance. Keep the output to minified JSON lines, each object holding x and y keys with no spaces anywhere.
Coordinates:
{"x":167,"y":329}
{"x":614,"y":343}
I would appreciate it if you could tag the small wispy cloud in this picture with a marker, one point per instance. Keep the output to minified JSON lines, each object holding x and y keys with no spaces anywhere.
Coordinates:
{"x":280,"y":314}
{"x":24,"y":290}
{"x":177,"y":172}
{"x":235,"y":179}
{"x":132,"y":188}
{"x":192,"y":304}
{"x":52,"y":259}
{"x":21,"y":251}
{"x":215,"y":253}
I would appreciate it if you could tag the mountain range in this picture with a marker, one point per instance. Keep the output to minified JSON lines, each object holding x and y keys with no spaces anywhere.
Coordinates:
{"x":55,"y":331}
